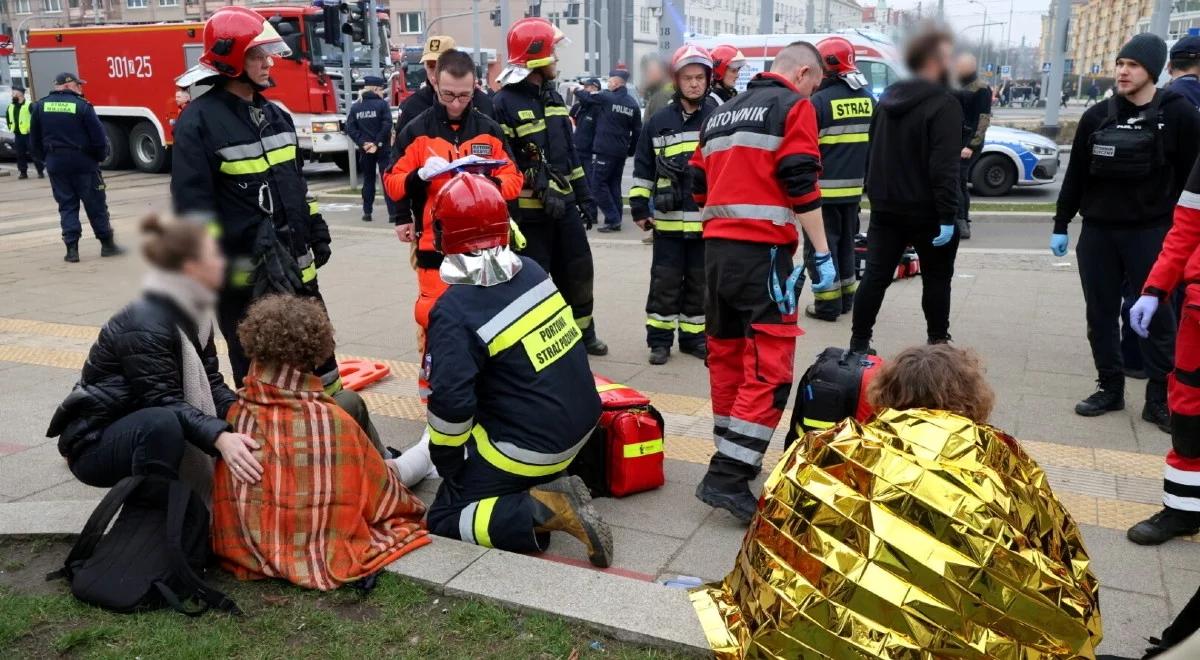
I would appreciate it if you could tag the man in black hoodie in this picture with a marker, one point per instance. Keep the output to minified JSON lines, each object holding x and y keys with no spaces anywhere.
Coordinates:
{"x":912,"y":182}
{"x":1129,"y":161}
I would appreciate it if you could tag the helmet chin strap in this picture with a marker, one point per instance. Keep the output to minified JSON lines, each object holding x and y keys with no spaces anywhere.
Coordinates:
{"x":257,"y":87}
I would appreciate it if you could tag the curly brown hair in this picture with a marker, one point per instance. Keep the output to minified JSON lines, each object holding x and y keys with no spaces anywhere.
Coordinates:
{"x":939,"y":377}
{"x":287,"y":330}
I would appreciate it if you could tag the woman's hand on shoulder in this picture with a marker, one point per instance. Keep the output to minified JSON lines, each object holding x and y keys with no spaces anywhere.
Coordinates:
{"x":236,"y":450}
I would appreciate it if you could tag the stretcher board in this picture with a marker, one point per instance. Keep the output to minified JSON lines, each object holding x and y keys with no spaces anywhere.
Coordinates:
{"x":357,"y":374}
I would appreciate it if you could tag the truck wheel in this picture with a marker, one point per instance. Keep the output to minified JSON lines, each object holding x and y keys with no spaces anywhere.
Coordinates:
{"x":118,"y":147}
{"x":146,"y":150}
{"x":993,"y":175}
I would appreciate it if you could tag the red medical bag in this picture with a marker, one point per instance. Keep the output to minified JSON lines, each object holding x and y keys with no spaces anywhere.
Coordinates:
{"x":625,"y":454}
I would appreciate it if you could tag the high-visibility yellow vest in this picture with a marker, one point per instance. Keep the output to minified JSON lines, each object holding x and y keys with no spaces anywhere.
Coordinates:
{"x":22,"y":122}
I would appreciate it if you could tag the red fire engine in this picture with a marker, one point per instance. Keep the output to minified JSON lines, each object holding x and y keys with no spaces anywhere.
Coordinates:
{"x":131,"y":69}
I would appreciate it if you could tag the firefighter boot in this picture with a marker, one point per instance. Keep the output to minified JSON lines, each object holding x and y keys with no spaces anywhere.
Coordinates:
{"x":1107,"y":398}
{"x":72,"y":255}
{"x":109,"y":248}
{"x":565,"y":505}
{"x":1164,"y":526}
{"x":738,"y":501}
{"x":699,"y":350}
{"x":659,"y":355}
{"x":1155,"y":411}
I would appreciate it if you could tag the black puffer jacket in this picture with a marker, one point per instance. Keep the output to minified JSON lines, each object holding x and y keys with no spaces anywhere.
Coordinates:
{"x":136,"y":363}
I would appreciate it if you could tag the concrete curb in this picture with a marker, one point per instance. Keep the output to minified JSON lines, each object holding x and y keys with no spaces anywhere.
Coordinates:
{"x":630,"y":610}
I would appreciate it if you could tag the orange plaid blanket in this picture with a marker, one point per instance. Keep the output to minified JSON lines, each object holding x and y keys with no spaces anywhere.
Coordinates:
{"x":328,"y":509}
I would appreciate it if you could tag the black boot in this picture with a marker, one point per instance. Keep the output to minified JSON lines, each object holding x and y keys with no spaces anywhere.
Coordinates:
{"x":1164,"y":526}
{"x":23,"y":175}
{"x":812,"y":313}
{"x":366,"y":217}
{"x":594,"y":346}
{"x":944,"y":339}
{"x":1108,"y":398}
{"x":738,"y":501}
{"x":1155,"y":411}
{"x":699,"y":350}
{"x":659,"y":355}
{"x":108,"y":248}
{"x":72,"y":253}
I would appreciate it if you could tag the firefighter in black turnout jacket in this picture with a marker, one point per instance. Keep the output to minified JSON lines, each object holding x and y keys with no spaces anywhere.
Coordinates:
{"x":844,"y":108}
{"x":660,"y":173}
{"x":512,"y":399}
{"x":237,"y":168}
{"x":555,"y":202}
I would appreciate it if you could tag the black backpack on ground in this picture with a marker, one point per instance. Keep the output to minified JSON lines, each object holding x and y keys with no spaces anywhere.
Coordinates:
{"x":831,"y":390}
{"x":150,"y":556}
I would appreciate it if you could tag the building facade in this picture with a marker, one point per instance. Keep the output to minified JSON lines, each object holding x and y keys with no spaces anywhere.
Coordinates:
{"x":1098,"y":28}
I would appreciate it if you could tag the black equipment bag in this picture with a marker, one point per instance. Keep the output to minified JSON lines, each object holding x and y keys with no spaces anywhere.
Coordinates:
{"x":1119,"y":151}
{"x":150,"y":556}
{"x":831,"y":390}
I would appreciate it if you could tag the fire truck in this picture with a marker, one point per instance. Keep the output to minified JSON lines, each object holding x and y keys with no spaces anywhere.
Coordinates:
{"x":131,"y":69}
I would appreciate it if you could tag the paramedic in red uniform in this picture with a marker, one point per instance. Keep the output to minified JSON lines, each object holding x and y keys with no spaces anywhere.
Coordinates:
{"x":1178,"y":263}
{"x":750,"y":237}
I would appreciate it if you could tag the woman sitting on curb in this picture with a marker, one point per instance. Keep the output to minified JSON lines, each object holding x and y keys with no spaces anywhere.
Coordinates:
{"x":328,"y":509}
{"x":922,"y":533}
{"x":150,"y":386}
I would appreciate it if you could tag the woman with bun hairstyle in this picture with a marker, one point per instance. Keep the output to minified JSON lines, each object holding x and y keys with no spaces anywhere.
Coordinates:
{"x":151,"y":385}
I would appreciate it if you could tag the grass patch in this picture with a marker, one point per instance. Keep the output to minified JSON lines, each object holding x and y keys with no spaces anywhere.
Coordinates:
{"x":984,"y":206}
{"x":340,"y":191}
{"x":400,"y":619}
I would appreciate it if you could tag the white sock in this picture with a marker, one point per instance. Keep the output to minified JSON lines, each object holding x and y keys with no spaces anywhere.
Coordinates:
{"x":414,"y":465}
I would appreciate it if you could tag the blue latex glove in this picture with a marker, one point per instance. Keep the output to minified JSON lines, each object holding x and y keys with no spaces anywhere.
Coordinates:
{"x":945,"y":233}
{"x":1141,"y":313}
{"x":1058,"y":244}
{"x":823,"y":265}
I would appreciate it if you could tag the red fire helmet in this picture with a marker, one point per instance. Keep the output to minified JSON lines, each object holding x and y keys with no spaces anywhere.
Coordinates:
{"x":691,"y":54}
{"x":837,"y":55}
{"x":724,"y":58}
{"x":469,"y":214}
{"x":231,"y":32}
{"x":531,"y":44}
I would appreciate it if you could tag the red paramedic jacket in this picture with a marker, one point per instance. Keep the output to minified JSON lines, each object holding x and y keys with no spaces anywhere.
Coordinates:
{"x":1180,"y":258}
{"x":757,"y":164}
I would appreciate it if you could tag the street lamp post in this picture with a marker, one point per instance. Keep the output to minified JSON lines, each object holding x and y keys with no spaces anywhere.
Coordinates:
{"x":983,"y":33}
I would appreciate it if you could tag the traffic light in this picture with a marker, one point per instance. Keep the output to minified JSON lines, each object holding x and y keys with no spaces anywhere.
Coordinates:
{"x":495,"y":16}
{"x":356,"y":22}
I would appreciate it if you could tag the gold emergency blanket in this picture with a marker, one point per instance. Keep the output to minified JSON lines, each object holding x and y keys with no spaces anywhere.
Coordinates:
{"x":918,"y":535}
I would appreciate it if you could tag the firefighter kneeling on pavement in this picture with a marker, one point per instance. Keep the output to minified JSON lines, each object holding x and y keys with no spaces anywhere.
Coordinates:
{"x":660,"y":172}
{"x":844,"y":108}
{"x":756,"y":172}
{"x":512,"y":399}
{"x":555,"y":202}
{"x":237,"y":168}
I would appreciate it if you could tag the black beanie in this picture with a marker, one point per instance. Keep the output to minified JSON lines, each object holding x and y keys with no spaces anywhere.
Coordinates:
{"x":1148,"y":50}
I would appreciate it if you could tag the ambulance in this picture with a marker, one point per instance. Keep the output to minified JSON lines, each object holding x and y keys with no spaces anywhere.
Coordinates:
{"x":131,"y":70}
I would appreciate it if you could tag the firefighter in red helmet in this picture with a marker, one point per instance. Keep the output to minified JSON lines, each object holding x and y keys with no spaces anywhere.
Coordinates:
{"x":844,"y":108}
{"x":237,"y":168}
{"x":661,"y":200}
{"x":727,"y":64}
{"x":512,"y":399}
{"x":555,"y":203}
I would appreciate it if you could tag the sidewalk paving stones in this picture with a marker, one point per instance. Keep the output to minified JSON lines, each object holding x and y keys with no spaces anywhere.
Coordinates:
{"x":1021,"y":310}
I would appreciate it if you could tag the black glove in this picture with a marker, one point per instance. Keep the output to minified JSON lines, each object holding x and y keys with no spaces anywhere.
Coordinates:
{"x":276,"y":270}
{"x":321,"y":253}
{"x":588,"y":212}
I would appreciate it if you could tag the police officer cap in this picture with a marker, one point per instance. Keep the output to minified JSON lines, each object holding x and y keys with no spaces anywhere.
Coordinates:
{"x":623,"y":74}
{"x":1186,"y":48}
{"x":591,"y":82}
{"x":373,"y":81}
{"x":66,"y":77}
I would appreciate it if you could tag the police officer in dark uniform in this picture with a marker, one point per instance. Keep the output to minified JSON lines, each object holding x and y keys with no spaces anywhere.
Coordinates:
{"x":66,"y":134}
{"x":618,"y":125}
{"x":555,"y":203}
{"x":583,"y":113}
{"x":19,"y":115}
{"x":369,"y":125}
{"x":844,"y":108}
{"x":1184,"y":67}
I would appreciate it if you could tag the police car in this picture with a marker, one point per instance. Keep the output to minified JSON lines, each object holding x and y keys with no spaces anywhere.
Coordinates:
{"x":1011,"y":157}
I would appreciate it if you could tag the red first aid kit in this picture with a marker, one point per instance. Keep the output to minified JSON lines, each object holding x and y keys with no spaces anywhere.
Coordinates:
{"x":625,"y":454}
{"x":909,"y":266}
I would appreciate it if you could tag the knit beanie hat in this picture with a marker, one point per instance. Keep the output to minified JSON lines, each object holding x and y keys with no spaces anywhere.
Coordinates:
{"x":1148,"y":50}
